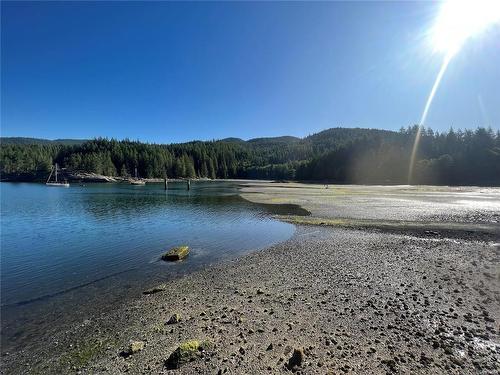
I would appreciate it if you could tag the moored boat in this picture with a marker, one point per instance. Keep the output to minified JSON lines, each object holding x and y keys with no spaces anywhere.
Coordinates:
{"x":137,"y":180}
{"x":55,"y":182}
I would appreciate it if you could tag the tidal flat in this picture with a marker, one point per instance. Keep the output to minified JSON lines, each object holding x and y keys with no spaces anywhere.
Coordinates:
{"x":349,"y":292}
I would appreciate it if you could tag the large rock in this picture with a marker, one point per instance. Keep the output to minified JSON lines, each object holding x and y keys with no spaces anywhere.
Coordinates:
{"x":176,"y":253}
{"x":187,"y":352}
{"x":134,"y":347}
{"x":175,"y":318}
{"x":91,"y":177}
{"x":296,"y":359}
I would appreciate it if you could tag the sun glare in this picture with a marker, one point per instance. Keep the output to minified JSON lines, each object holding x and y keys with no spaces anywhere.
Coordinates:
{"x":460,"y":19}
{"x":456,"y":22}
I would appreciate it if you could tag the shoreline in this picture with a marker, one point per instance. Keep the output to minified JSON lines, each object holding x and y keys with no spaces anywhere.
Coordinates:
{"x":360,"y":300}
{"x":90,"y":177}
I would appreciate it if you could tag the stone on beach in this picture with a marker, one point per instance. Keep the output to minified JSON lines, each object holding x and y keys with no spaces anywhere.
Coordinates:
{"x":134,"y":347}
{"x":156,"y":289}
{"x":176,"y":253}
{"x":175,"y":318}
{"x":187,"y":352}
{"x":296,"y":359}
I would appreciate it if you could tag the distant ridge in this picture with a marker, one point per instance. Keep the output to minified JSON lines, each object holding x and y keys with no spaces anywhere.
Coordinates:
{"x":40,"y":141}
{"x":232,"y":140}
{"x":274,"y":140}
{"x":331,"y":135}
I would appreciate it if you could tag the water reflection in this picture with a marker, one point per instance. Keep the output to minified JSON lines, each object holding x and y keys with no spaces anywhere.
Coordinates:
{"x":57,"y":239}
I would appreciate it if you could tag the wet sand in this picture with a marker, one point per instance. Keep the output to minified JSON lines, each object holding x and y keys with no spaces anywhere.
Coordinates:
{"x":360,"y":299}
{"x":425,"y":204}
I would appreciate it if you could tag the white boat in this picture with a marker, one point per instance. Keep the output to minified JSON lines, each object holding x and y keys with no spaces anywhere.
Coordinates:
{"x":136,"y":180}
{"x":55,"y":182}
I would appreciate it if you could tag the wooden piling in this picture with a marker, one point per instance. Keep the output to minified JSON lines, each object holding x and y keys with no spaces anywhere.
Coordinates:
{"x":189,"y":184}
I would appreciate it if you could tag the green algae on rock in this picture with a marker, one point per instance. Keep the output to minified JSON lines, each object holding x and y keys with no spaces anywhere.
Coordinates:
{"x":176,"y":253}
{"x":187,"y":352}
{"x":135,"y":346}
{"x":175,"y":318}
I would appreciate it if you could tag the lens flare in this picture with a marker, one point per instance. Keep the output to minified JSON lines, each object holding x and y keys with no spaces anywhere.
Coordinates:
{"x":456,"y":22}
{"x":440,"y":75}
{"x":459,"y":20}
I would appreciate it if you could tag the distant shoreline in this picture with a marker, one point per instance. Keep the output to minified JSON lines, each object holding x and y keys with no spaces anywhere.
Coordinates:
{"x":89,"y":177}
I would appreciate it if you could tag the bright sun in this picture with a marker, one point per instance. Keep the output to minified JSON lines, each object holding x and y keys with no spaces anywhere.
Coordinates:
{"x":460,"y":19}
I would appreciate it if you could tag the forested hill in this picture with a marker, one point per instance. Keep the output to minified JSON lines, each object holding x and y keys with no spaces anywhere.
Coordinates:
{"x":342,"y":155}
{"x":39,"y":141}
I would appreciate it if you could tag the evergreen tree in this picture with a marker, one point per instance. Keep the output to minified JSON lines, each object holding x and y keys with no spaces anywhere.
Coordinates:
{"x":180,"y":168}
{"x":190,"y":172}
{"x":204,"y":169}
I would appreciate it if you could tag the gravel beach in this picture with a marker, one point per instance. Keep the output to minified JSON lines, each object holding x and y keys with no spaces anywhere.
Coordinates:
{"x":333,"y":299}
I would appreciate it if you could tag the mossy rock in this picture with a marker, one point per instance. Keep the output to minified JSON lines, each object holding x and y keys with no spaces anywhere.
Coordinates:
{"x":134,"y":347}
{"x":176,"y":253}
{"x":175,"y":318}
{"x":187,"y":352}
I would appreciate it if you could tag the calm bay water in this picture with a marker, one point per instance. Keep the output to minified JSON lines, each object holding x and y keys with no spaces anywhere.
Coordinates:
{"x":56,"y":240}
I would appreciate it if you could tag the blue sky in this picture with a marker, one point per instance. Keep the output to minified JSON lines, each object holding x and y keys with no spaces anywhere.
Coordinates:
{"x":171,"y":72}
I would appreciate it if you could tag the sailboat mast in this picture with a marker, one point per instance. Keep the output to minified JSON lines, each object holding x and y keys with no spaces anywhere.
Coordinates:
{"x":56,"y":172}
{"x":50,"y":175}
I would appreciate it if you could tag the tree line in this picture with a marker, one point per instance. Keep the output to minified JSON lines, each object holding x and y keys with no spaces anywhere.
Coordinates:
{"x":342,"y":155}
